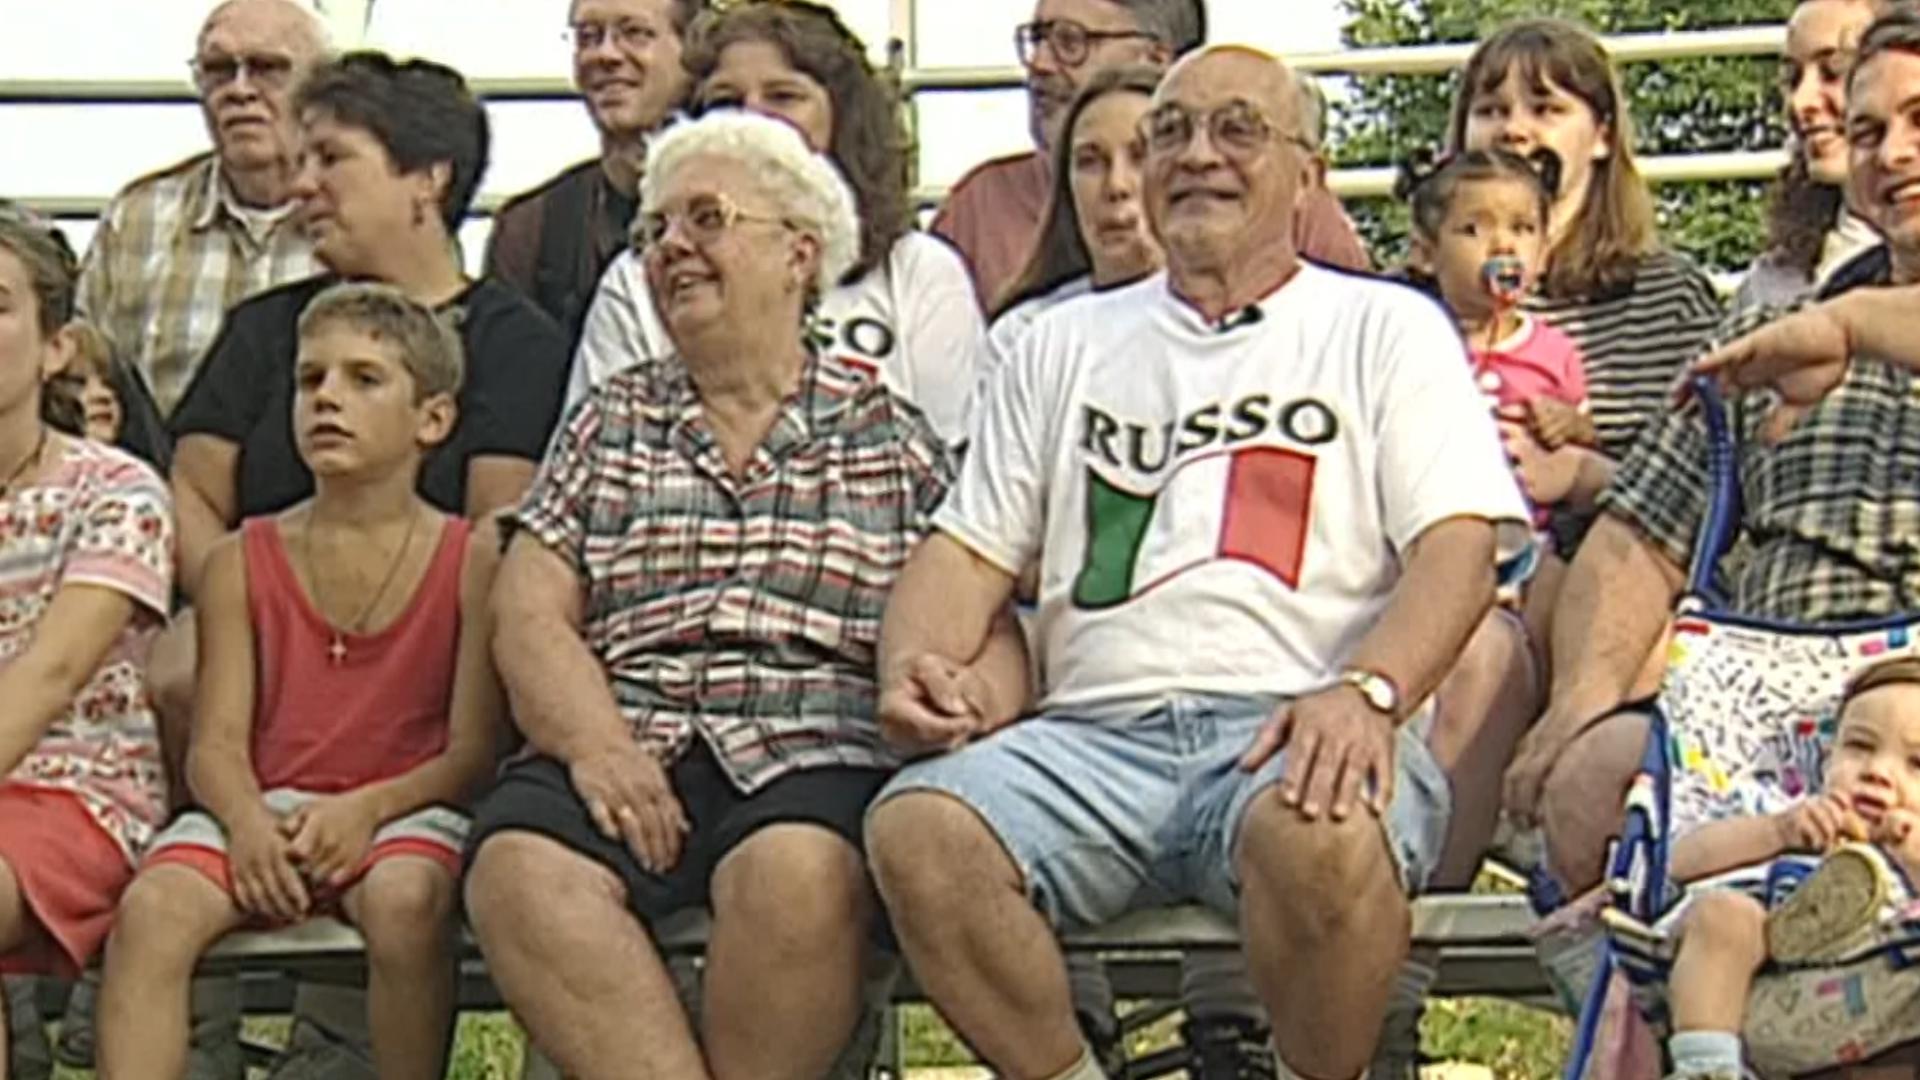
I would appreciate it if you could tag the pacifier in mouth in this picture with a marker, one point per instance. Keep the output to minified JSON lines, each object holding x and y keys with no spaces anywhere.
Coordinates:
{"x":1505,"y":277}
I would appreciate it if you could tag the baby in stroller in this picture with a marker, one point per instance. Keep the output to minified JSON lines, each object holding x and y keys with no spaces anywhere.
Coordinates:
{"x":1824,"y":883}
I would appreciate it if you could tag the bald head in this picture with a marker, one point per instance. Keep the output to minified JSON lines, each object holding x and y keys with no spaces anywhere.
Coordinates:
{"x":1227,"y":160}
{"x":1260,"y":77}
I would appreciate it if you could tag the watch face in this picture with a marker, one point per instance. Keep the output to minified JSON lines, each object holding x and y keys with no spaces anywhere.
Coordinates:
{"x":1376,"y":689}
{"x":1379,"y":695}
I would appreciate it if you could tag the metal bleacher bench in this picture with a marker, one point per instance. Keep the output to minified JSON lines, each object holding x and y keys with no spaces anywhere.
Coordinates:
{"x":1484,"y":951}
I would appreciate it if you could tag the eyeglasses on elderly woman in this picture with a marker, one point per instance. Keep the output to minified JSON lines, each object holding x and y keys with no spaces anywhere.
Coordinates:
{"x":703,"y":220}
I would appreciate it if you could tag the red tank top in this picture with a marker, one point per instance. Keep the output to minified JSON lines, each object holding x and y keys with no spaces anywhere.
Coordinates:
{"x":381,"y":710}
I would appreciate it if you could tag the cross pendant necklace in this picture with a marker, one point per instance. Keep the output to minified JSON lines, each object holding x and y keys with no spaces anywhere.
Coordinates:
{"x":337,"y":645}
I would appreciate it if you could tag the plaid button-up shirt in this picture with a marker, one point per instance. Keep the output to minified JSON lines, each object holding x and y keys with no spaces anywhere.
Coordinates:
{"x":742,"y":610}
{"x":173,"y":252}
{"x":1830,"y":515}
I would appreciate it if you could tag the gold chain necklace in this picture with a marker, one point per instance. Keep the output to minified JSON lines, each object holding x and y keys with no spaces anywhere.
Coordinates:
{"x":337,"y":647}
{"x":28,"y":462}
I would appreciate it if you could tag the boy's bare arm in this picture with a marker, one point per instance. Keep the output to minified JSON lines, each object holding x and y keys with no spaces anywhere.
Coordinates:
{"x":219,"y":755}
{"x":477,"y":724}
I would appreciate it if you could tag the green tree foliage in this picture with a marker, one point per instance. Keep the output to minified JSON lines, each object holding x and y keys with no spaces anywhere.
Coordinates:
{"x":1693,"y":106}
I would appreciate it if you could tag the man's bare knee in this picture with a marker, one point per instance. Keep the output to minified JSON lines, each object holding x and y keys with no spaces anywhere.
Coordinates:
{"x":1315,"y":867}
{"x":921,"y":843}
{"x":800,"y":888}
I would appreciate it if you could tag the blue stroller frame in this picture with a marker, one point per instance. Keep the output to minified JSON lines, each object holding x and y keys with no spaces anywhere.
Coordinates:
{"x":1638,"y":887}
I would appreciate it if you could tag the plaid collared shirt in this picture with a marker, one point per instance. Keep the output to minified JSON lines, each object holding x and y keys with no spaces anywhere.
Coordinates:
{"x":743,"y":610}
{"x":173,"y":252}
{"x":1830,"y":515}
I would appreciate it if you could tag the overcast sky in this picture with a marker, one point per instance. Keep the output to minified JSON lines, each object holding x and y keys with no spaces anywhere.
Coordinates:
{"x":92,"y":150}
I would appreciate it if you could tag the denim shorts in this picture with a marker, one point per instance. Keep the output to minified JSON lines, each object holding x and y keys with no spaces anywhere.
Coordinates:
{"x":1117,"y":811}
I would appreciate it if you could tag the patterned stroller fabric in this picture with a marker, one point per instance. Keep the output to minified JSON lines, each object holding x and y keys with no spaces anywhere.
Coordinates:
{"x":1742,"y":726}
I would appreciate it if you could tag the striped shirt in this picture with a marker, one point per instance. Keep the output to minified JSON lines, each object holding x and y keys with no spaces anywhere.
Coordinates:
{"x":175,"y":250}
{"x":744,"y":610}
{"x":1829,"y":515}
{"x":1636,"y":341}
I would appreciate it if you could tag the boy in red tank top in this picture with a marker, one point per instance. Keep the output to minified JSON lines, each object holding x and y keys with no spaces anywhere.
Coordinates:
{"x":347,"y":711}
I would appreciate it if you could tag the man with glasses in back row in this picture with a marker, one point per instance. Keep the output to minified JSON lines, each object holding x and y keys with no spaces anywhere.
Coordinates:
{"x":993,"y":213}
{"x":1267,"y":503}
{"x":554,"y":242}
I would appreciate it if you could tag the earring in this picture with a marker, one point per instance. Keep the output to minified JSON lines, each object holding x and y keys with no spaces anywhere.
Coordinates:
{"x":419,"y":215}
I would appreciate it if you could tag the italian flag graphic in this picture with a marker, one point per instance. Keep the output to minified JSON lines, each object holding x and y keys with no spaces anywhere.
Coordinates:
{"x":1249,"y":506}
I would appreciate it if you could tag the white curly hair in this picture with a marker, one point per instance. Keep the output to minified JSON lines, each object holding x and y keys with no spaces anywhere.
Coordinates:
{"x":806,"y":188}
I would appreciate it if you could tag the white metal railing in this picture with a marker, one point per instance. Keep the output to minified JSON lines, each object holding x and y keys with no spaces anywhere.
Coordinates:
{"x":1405,"y":60}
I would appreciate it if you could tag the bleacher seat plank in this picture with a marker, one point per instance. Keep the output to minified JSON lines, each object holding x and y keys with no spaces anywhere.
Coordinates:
{"x":1483,"y":943}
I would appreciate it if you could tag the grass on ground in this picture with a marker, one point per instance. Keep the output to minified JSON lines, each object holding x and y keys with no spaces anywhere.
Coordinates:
{"x":1515,"y":1042}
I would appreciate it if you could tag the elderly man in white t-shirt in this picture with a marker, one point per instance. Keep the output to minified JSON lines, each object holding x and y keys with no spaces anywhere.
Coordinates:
{"x":1267,"y":503}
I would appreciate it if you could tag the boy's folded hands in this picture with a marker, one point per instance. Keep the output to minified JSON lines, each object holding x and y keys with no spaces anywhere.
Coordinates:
{"x":266,"y":881}
{"x":328,"y":838}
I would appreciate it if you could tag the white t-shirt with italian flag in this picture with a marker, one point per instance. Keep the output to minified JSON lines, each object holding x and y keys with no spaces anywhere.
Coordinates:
{"x":1222,"y":508}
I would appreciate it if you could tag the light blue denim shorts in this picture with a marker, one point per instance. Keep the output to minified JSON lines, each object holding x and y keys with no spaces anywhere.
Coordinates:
{"x":1117,"y":811}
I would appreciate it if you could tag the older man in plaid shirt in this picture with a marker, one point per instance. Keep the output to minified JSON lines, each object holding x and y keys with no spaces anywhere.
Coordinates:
{"x":178,"y":247}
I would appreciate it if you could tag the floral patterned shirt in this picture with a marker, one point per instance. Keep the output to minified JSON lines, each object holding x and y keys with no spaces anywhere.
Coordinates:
{"x":100,"y":518}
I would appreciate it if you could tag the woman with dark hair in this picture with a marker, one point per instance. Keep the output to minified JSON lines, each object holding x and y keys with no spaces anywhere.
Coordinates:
{"x":1094,"y":234}
{"x":1638,"y":312}
{"x":906,"y":310}
{"x":1546,"y":91}
{"x":392,"y":152}
{"x":1810,"y":230}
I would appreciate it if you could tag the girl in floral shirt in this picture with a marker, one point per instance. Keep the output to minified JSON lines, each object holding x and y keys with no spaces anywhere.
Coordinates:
{"x":86,"y":537}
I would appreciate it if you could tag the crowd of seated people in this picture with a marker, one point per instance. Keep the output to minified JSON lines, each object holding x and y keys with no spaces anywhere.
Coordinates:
{"x":1121,"y":540}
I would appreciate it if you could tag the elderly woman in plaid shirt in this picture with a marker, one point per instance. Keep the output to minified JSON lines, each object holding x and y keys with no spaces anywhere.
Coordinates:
{"x":689,"y":610}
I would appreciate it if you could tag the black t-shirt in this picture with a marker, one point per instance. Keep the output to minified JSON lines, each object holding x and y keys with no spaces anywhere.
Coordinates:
{"x":509,"y":401}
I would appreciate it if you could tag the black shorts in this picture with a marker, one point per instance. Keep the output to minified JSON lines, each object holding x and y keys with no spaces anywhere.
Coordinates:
{"x":537,"y":795}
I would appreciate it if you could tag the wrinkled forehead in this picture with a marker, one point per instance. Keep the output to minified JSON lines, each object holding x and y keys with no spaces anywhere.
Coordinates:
{"x":1217,"y":76}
